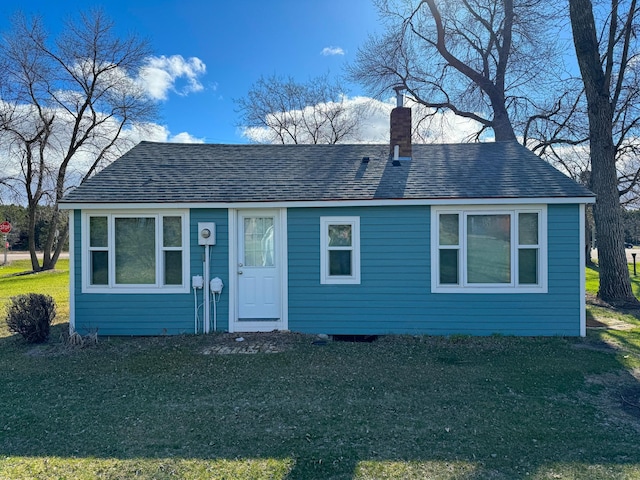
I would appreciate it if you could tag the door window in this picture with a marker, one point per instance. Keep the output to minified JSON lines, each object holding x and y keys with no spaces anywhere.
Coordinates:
{"x":259,"y":242}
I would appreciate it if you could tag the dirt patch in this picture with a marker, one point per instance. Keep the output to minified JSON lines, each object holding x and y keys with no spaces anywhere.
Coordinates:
{"x":632,"y":308}
{"x":603,"y":321}
{"x":630,"y":398}
{"x":619,"y":399}
{"x":608,"y":323}
{"x":593,"y":323}
{"x":252,"y":343}
{"x":595,"y":347}
{"x":243,"y":348}
{"x":52,"y":349}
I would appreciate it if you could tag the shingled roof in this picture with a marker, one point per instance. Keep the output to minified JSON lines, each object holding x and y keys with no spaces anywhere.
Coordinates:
{"x":202,"y":173}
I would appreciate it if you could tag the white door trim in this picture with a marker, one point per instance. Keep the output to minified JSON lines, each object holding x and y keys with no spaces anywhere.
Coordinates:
{"x":281,"y":249}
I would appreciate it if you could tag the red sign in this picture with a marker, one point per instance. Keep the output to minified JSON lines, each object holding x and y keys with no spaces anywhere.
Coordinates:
{"x":5,"y":227}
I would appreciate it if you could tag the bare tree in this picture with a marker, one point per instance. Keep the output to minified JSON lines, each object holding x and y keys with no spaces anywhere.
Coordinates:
{"x":496,"y":62}
{"x":563,"y":138}
{"x":64,"y":104}
{"x":603,"y":76}
{"x":481,"y":60}
{"x":561,"y":135}
{"x":279,"y":110}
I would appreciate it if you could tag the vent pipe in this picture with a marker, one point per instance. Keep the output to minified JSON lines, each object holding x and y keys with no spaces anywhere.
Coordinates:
{"x":399,"y":95}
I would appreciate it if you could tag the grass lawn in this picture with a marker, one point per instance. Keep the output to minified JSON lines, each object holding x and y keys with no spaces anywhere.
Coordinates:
{"x":401,"y":407}
{"x":592,"y":280}
{"x":13,"y":281}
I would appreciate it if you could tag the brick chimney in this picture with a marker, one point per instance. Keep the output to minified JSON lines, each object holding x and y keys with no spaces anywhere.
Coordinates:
{"x":400,"y":127}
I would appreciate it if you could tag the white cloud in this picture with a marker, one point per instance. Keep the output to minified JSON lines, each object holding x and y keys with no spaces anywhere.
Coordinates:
{"x":185,"y":137}
{"x":25,"y":117}
{"x":163,"y":74}
{"x":153,"y":132}
{"x":330,"y":51}
{"x":442,"y":127}
{"x":373,"y":124}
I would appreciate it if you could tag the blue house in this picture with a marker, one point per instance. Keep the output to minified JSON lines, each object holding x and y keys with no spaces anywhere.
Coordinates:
{"x":475,"y":239}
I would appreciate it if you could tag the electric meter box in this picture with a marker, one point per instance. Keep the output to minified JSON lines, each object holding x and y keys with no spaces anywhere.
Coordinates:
{"x":206,"y":233}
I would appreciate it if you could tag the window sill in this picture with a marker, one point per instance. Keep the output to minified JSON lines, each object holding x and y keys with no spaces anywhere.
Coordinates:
{"x":135,"y":290}
{"x":491,"y":290}
{"x":345,"y":281}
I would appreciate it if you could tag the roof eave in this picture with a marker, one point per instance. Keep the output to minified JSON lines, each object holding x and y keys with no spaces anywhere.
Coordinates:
{"x":125,"y":205}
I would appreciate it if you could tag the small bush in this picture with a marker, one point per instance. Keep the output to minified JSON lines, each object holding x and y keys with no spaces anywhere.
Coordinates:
{"x":31,"y":315}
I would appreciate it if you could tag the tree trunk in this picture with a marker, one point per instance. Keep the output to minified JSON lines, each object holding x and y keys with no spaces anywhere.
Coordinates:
{"x":615,"y":284}
{"x":588,"y":236}
{"x":35,"y":265}
{"x":47,"y":260}
{"x":61,"y":240}
{"x":54,"y":243}
{"x":501,"y":123}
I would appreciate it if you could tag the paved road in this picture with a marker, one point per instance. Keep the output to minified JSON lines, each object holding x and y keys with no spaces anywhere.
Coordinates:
{"x":629,"y":251}
{"x":24,"y":255}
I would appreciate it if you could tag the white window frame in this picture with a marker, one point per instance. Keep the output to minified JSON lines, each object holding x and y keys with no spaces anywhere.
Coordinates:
{"x":325,"y":278}
{"x":158,"y":286}
{"x":463,"y":286}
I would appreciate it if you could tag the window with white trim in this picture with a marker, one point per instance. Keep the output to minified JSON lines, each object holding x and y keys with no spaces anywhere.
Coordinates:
{"x":136,"y":252}
{"x":476,"y":249}
{"x":339,"y":250}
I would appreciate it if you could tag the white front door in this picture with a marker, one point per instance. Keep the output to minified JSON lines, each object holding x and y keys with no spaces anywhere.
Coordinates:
{"x":259,"y":271}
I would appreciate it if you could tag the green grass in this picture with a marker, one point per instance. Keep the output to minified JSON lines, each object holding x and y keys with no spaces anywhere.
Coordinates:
{"x":15,"y":279}
{"x":593,"y":282}
{"x":402,"y":407}
{"x":627,"y":342}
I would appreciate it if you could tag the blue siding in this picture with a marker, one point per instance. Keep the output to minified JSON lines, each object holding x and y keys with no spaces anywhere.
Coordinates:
{"x":152,"y":314}
{"x":218,"y":263}
{"x":395,"y":291}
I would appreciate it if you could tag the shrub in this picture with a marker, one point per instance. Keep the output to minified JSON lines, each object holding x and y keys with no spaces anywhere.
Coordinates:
{"x":31,"y":315}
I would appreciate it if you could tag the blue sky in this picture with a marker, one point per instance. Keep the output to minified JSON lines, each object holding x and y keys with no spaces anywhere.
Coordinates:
{"x":225,"y":47}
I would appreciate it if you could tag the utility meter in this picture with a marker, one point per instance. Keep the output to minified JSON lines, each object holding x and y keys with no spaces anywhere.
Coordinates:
{"x":216,"y":285}
{"x":197,"y":281}
{"x":206,"y":233}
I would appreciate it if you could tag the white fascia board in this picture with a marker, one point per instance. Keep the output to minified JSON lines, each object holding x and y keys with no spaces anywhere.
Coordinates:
{"x":331,"y":203}
{"x":72,"y":276}
{"x":232,"y":228}
{"x":127,"y":206}
{"x":583,"y":279}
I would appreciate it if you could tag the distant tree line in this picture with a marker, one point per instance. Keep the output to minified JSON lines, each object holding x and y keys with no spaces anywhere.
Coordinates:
{"x":18,"y":216}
